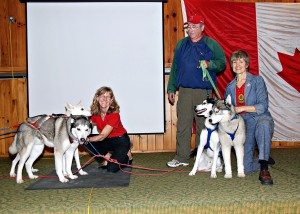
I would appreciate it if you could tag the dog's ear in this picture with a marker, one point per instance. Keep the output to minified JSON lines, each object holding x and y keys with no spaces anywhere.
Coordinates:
{"x":88,"y":118}
{"x":72,"y":121}
{"x":79,"y":104}
{"x":228,"y":99}
{"x":210,"y":100}
{"x":68,"y":108}
{"x":228,"y":102}
{"x":75,"y":117}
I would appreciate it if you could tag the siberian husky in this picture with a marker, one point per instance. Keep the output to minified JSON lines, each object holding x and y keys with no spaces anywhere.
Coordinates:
{"x":207,"y":158}
{"x":63,"y":132}
{"x":231,"y":130}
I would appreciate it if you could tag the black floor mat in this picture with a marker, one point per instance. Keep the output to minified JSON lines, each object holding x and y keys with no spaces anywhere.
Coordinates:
{"x":96,"y":178}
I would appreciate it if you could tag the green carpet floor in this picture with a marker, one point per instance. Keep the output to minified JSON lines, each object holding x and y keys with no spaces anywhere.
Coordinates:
{"x":156,"y":192}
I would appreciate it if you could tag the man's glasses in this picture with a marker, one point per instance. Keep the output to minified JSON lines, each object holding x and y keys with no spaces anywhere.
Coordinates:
{"x":191,"y":27}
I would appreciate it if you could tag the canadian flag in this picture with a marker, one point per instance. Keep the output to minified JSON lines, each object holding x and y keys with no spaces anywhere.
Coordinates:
{"x":270,"y":33}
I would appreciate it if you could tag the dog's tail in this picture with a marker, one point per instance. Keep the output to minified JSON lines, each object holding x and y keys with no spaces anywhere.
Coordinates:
{"x":13,"y":147}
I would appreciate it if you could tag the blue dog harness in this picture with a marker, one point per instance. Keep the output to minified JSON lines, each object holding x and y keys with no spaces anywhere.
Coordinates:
{"x":207,"y":145}
{"x":209,"y":132}
{"x":232,"y":135}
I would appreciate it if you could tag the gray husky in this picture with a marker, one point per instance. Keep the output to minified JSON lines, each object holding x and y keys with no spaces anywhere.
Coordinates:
{"x":62,"y":132}
{"x":207,"y":158}
{"x":231,"y":131}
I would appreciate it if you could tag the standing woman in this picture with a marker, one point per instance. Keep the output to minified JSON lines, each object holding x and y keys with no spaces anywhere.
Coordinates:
{"x":250,"y":97}
{"x":113,"y":136}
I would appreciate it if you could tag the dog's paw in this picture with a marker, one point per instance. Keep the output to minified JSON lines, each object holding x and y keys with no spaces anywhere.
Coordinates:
{"x":73,"y":176}
{"x":19,"y":181}
{"x":34,"y":170}
{"x":213,"y":175}
{"x":241,"y":175}
{"x":12,"y":174}
{"x":228,"y":176}
{"x":64,"y":180}
{"x":81,"y":172}
{"x":192,"y":173}
{"x":33,"y":177}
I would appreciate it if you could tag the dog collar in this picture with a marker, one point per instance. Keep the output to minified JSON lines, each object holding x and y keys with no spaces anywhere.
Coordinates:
{"x":72,"y":140}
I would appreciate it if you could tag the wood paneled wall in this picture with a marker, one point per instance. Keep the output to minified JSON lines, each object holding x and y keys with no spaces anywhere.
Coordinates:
{"x":12,"y":37}
{"x":13,"y":91}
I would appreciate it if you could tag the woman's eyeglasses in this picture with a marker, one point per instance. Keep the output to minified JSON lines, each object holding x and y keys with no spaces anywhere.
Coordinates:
{"x":102,"y":97}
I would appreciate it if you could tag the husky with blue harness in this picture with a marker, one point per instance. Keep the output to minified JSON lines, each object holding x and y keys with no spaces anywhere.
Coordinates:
{"x":232,"y":133}
{"x":207,"y":158}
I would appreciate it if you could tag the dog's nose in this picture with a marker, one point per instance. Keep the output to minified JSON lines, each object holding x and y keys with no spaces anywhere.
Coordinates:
{"x":195,"y":108}
{"x":210,"y":120}
{"x":82,"y":139}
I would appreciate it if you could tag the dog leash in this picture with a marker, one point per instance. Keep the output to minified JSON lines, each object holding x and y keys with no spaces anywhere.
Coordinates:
{"x":10,"y":132}
{"x":6,"y":133}
{"x":127,"y":165}
{"x":206,"y":74}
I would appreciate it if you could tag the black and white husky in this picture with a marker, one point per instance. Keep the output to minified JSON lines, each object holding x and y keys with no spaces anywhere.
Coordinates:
{"x":231,"y":130}
{"x":62,"y":132}
{"x":207,"y":158}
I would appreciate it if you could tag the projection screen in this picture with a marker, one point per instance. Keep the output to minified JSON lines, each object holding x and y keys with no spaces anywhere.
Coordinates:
{"x":75,"y":48}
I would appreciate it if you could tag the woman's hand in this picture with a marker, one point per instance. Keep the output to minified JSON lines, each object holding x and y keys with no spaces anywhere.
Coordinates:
{"x":238,"y":109}
{"x":241,"y":109}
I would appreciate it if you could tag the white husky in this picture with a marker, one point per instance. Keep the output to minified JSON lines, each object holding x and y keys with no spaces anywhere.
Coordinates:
{"x":231,"y":129}
{"x":63,"y":132}
{"x":207,"y":158}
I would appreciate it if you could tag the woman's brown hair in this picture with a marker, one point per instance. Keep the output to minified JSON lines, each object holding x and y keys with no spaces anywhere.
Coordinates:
{"x":114,"y":106}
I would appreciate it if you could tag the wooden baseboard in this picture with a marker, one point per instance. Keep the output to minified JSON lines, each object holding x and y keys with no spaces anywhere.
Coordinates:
{"x":283,"y":144}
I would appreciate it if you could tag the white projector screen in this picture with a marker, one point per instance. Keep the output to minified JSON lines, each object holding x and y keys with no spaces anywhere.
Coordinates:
{"x":75,"y":48}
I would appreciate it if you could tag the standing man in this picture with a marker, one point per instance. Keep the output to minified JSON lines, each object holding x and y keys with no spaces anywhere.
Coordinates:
{"x":187,"y":76}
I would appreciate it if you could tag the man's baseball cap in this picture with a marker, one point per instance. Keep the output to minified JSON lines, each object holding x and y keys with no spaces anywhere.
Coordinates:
{"x":196,"y":19}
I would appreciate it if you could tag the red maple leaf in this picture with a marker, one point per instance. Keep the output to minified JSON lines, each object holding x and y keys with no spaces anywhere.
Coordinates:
{"x":290,"y":69}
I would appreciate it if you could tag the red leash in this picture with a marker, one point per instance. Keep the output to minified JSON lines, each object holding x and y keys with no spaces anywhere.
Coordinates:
{"x":163,"y":171}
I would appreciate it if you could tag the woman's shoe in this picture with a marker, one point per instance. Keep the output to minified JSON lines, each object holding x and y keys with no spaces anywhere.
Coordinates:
{"x":271,"y":161}
{"x":265,"y":177}
{"x":130,"y":161}
{"x":102,"y":167}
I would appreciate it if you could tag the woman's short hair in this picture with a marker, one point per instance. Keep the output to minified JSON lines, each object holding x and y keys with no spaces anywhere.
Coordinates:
{"x":240,"y":54}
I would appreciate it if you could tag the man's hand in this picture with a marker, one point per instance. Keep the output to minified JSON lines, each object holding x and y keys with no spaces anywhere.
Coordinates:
{"x":206,"y":63}
{"x":171,"y":97}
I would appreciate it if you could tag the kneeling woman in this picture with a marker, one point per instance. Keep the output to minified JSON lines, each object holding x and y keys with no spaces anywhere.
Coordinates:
{"x":113,"y":136}
{"x":250,"y":96}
